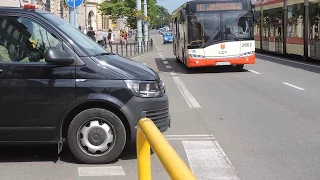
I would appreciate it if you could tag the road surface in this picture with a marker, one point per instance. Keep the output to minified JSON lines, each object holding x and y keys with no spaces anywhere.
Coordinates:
{"x":262,"y":123}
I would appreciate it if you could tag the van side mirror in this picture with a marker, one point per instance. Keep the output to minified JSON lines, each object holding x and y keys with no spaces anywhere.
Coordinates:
{"x":58,"y":57}
{"x":182,"y":15}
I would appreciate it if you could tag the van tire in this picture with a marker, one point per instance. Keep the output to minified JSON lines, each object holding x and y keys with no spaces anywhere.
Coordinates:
{"x":99,"y":118}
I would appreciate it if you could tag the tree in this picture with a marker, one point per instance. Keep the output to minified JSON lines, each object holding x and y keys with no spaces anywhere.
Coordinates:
{"x":117,"y":8}
{"x":163,"y":18}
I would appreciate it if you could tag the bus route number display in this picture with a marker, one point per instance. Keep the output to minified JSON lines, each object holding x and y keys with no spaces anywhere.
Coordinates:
{"x":219,"y":6}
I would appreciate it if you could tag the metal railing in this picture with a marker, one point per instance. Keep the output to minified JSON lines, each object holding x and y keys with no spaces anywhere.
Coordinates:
{"x":128,"y":49}
{"x":148,"y":135}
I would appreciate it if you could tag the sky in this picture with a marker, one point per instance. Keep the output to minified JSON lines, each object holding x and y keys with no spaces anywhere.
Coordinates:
{"x":171,"y":4}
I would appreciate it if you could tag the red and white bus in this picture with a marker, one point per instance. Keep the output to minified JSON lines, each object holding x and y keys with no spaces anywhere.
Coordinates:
{"x":214,"y":33}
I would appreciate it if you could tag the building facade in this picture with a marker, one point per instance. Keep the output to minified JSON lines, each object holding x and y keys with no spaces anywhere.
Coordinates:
{"x":88,"y":13}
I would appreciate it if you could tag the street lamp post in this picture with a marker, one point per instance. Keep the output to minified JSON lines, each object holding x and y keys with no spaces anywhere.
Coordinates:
{"x":146,"y":31}
{"x":139,"y":26}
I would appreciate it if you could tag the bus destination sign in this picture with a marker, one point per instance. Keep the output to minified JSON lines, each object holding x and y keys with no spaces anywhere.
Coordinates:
{"x":219,"y":6}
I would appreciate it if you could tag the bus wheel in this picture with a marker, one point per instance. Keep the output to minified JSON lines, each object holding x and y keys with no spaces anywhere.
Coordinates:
{"x":178,"y":60}
{"x":240,"y":67}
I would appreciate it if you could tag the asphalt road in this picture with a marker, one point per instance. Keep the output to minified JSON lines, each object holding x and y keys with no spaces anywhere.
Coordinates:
{"x":262,"y":123}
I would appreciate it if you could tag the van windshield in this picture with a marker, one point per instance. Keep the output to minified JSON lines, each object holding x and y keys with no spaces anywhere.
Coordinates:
{"x":89,"y":46}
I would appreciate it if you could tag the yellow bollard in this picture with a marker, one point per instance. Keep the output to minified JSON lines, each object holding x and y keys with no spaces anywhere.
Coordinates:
{"x":143,"y":156}
{"x":171,"y":161}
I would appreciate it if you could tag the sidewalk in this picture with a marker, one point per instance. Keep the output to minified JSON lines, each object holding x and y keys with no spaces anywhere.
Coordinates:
{"x":127,"y":48}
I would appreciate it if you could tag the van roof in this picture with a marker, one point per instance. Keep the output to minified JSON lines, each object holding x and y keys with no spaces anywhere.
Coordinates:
{"x":20,"y":9}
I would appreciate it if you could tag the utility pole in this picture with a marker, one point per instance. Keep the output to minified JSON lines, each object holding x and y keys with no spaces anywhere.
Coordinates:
{"x":85,"y":15}
{"x":33,"y":2}
{"x":72,"y":17}
{"x":146,"y":29}
{"x":139,"y":27}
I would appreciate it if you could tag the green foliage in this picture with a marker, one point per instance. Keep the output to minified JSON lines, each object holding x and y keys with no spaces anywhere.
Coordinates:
{"x":118,"y":8}
{"x":4,"y":54}
{"x":314,"y":13}
{"x":64,"y":4}
{"x":162,"y":18}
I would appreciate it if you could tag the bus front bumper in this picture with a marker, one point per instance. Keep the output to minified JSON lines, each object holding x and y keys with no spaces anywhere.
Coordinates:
{"x":193,"y":62}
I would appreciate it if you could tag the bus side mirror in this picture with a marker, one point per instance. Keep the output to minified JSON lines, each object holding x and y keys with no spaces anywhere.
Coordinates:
{"x":183,"y":15}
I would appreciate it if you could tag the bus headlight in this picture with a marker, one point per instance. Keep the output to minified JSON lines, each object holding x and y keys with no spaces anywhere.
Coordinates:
{"x":247,"y":54}
{"x":196,"y":56}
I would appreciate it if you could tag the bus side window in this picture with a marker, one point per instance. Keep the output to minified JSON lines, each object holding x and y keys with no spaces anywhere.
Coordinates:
{"x":177,"y":28}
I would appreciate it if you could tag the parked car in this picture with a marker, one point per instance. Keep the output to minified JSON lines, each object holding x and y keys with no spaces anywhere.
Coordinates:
{"x":161,"y":30}
{"x":167,"y":37}
{"x":68,"y":88}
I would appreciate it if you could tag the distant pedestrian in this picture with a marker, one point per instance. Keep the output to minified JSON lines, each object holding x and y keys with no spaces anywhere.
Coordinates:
{"x":104,"y":38}
{"x":125,"y":37}
{"x":84,"y":30}
{"x":91,"y":34}
{"x":100,"y":37}
{"x":110,"y":37}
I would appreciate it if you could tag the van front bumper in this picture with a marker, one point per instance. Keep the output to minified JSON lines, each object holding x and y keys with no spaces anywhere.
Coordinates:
{"x":156,"y":109}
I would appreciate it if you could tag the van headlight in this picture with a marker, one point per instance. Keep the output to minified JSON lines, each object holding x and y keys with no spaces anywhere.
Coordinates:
{"x":146,"y":89}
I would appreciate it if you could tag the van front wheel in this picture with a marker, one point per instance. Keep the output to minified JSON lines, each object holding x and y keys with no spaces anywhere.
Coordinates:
{"x":96,"y":136}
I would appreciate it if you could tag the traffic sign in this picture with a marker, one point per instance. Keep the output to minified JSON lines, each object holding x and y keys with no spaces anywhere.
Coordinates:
{"x":73,"y":3}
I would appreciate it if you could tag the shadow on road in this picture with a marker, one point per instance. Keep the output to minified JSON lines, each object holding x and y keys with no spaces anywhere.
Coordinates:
{"x":48,"y":153}
{"x":179,"y":67}
{"x":298,"y":61}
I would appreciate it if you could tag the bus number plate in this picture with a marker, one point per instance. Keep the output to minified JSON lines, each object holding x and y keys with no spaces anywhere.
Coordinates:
{"x":246,"y":44}
{"x":222,"y":63}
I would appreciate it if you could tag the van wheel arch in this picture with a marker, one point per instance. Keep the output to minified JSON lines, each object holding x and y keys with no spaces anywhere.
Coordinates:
{"x":94,"y":104}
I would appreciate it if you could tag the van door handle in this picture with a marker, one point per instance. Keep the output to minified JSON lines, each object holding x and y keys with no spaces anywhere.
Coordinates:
{"x":1,"y":70}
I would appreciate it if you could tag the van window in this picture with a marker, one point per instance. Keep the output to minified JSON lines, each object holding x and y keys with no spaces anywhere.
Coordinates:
{"x":24,"y":40}
{"x":89,"y":46}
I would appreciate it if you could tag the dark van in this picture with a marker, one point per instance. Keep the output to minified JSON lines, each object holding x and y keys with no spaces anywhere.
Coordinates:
{"x":57,"y":84}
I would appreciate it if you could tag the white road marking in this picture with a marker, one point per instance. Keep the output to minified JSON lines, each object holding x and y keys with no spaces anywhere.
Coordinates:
{"x":254,"y":72}
{"x":291,"y":85}
{"x":168,"y":67}
{"x":171,"y":137}
{"x":159,"y":53}
{"x":192,"y":138}
{"x":163,"y":58}
{"x":189,"y":135}
{"x":165,"y":62}
{"x":191,"y":101}
{"x":223,"y":153}
{"x":207,"y":162}
{"x":143,"y":55}
{"x":290,"y":61}
{"x":101,"y":171}
{"x":173,"y":74}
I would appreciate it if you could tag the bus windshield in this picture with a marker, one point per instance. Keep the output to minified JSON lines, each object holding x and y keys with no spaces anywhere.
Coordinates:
{"x":207,"y":28}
